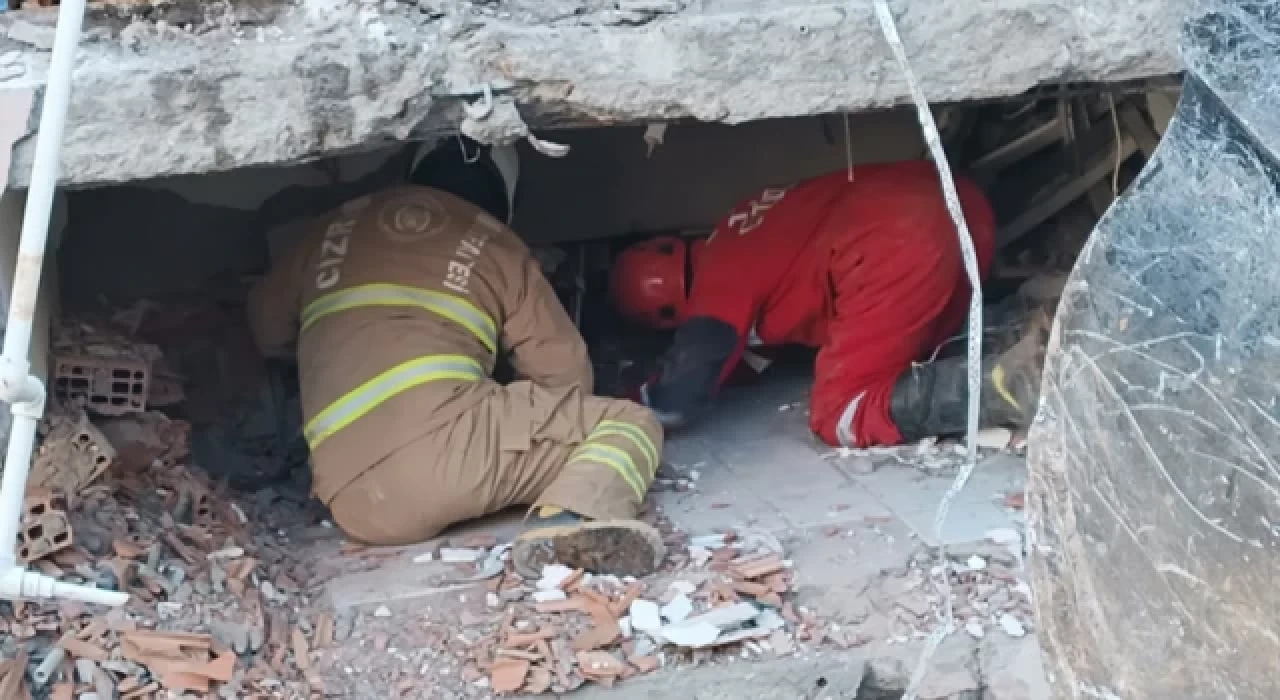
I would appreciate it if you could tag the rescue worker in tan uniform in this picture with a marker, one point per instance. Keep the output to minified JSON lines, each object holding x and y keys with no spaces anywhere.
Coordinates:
{"x":398,"y":306}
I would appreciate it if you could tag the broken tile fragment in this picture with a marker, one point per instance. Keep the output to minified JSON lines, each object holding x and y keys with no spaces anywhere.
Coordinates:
{"x":458,"y":555}
{"x":678,"y":610}
{"x":781,"y":643}
{"x":599,"y":664}
{"x":645,"y":616}
{"x":1012,"y":626}
{"x":597,"y":636}
{"x":508,"y":674}
{"x":549,"y":596}
{"x":553,"y":576}
{"x":694,"y":635}
{"x":644,"y":663}
{"x":538,"y":681}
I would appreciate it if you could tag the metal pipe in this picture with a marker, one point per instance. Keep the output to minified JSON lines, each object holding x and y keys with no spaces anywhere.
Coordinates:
{"x":44,"y":180}
{"x":13,"y":486}
{"x":17,"y":385}
{"x":18,"y":583}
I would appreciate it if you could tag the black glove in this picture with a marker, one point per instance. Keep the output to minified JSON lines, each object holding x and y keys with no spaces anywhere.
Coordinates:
{"x":689,"y":372}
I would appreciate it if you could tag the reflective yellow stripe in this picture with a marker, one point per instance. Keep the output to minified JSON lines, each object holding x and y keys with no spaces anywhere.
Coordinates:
{"x":614,"y":458}
{"x":634,"y":434}
{"x":369,"y":395}
{"x":1000,"y":385}
{"x":454,"y":308}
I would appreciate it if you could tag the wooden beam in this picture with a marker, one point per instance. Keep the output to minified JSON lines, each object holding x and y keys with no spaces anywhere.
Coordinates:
{"x":1132,"y":121}
{"x":1067,"y":192}
{"x":1020,"y":147}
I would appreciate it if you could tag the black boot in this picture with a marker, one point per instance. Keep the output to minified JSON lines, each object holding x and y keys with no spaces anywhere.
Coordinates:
{"x":933,"y":399}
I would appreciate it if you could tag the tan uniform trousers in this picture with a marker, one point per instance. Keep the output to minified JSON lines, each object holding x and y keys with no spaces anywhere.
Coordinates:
{"x":521,"y":445}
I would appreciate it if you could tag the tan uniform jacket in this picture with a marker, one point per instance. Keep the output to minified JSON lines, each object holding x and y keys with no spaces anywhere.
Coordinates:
{"x":397,"y":305}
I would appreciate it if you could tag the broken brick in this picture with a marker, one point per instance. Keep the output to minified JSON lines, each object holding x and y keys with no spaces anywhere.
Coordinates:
{"x":597,"y":636}
{"x":599,"y":664}
{"x":538,"y":681}
{"x":323,"y":635}
{"x":300,"y":650}
{"x":562,"y":606}
{"x":508,"y":675}
{"x":643,"y":664}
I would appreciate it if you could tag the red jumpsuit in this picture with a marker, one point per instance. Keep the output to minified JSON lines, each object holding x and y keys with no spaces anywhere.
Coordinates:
{"x":870,"y":272}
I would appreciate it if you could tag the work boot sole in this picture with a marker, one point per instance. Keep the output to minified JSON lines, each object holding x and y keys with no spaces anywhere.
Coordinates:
{"x":618,"y":547}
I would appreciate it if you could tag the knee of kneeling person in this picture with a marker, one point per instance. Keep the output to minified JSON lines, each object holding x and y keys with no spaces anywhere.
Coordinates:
{"x":382,"y":526}
{"x":643,"y":418}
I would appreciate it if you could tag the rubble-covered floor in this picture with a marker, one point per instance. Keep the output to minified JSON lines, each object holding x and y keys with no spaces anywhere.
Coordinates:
{"x":850,"y":526}
{"x":830,"y":566}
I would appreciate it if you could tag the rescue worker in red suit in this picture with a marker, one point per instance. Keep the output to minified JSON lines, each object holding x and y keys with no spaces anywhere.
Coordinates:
{"x":869,"y":272}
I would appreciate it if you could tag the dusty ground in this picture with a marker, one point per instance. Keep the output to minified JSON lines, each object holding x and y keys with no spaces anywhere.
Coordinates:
{"x":851,"y":526}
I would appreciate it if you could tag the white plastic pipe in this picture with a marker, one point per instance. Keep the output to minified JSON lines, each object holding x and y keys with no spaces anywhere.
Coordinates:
{"x":17,"y":385}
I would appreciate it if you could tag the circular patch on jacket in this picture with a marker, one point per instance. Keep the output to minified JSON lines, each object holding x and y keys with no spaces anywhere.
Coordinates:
{"x":410,"y":218}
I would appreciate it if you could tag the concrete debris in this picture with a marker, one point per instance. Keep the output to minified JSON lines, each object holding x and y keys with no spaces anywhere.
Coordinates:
{"x":699,"y":556}
{"x":1012,"y":626}
{"x":550,"y":596}
{"x":228,"y":553}
{"x":692,"y":635}
{"x":553,"y":576}
{"x":492,"y":565}
{"x":781,"y":643}
{"x":12,"y":677}
{"x":37,"y":36}
{"x":709,"y":542}
{"x":572,"y":629}
{"x":994,"y":438}
{"x":983,"y":584}
{"x":654,"y":134}
{"x":646,"y":616}
{"x":683,"y":587}
{"x":457,"y":555}
{"x":678,"y":610}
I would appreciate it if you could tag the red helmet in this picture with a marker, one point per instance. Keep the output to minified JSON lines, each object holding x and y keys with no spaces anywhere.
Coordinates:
{"x":648,"y":283}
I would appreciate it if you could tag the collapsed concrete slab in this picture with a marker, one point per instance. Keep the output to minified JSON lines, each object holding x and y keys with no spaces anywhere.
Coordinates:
{"x":205,"y":87}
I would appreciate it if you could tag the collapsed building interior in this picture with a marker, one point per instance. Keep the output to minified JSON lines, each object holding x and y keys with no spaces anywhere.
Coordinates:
{"x":206,"y":496}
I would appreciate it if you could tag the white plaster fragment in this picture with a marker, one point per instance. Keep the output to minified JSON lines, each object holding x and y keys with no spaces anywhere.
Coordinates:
{"x":678,"y":610}
{"x":645,"y":616}
{"x":1012,"y":626}
{"x":550,"y":596}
